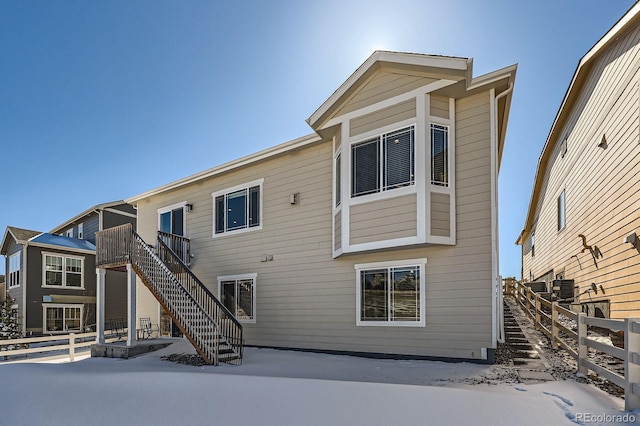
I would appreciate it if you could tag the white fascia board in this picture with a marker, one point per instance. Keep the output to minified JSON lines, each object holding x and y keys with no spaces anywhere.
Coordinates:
{"x":492,"y":77}
{"x":62,"y":249}
{"x":232,"y":165}
{"x":444,"y":62}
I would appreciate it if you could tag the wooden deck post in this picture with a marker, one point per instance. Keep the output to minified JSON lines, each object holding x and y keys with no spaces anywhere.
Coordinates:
{"x":100,"y":305}
{"x":131,"y":306}
{"x":583,"y":351}
{"x":538,"y":308}
{"x":632,"y":364}
{"x":72,"y":347}
{"x":555,"y":317}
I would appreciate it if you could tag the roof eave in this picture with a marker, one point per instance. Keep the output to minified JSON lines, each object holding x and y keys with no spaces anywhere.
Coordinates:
{"x":85,"y":213}
{"x":229,"y":166}
{"x":455,"y":63}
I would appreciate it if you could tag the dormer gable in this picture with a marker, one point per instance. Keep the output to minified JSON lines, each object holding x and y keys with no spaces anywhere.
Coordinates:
{"x":385,"y":76}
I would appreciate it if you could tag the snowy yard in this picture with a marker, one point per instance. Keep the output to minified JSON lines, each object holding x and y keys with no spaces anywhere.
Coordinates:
{"x":290,"y":388}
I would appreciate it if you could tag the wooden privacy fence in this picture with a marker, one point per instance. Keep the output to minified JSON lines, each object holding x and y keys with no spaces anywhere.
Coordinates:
{"x":546,"y":317}
{"x":57,"y":347}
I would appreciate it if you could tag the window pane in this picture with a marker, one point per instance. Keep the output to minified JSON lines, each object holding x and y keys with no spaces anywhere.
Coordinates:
{"x":177,"y":216}
{"x":245,"y":299}
{"x":72,"y":318}
{"x":237,"y":210}
{"x":53,"y":270}
{"x":374,"y":295}
{"x":366,"y":165}
{"x":228,"y":295}
{"x":165,"y":222}
{"x":439,"y":155}
{"x":54,"y":320}
{"x":74,"y":272}
{"x":338,"y":180}
{"x":561,"y":211}
{"x":220,"y":214}
{"x":405,"y":295}
{"x":398,"y":163}
{"x":254,"y":206}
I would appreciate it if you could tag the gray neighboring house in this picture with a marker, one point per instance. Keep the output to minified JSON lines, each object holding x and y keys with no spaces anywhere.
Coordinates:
{"x":52,"y":275}
{"x":3,"y":288}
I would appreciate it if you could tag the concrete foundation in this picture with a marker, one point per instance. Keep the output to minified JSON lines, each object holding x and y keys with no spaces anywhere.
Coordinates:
{"x":121,"y":350}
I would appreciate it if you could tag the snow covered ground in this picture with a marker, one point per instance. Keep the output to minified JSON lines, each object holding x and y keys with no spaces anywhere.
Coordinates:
{"x":289,"y":388}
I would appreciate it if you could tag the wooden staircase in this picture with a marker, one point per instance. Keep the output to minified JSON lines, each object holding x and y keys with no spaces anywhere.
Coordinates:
{"x":214,"y":332}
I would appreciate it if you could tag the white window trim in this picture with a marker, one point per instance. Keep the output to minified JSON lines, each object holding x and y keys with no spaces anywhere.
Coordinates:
{"x":81,"y":231}
{"x":253,"y":277}
{"x":69,"y":233}
{"x":64,"y":330}
{"x":562,"y":194}
{"x":258,"y":182}
{"x":64,"y":270}
{"x":171,"y":208}
{"x":421,"y":263}
{"x":382,"y":193}
{"x":9,"y":278}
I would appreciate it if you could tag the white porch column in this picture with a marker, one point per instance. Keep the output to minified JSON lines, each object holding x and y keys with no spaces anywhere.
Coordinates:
{"x":131,"y":306}
{"x":100,"y":280}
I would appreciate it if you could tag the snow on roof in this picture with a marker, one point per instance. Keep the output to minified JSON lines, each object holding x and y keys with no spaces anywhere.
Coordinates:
{"x":66,"y":242}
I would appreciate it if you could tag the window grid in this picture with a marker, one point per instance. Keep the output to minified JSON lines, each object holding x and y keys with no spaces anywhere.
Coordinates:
{"x":62,"y":271}
{"x":391,"y":294}
{"x":14,"y":270}
{"x":237,"y":209}
{"x":439,"y":155}
{"x":62,"y":318}
{"x":383,"y":163}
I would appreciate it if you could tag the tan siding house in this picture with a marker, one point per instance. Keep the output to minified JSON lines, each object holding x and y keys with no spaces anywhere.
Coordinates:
{"x":376,"y":234}
{"x":584,"y":216}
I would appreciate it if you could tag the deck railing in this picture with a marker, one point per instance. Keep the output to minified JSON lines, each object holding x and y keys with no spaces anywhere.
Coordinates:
{"x":546,"y":318}
{"x":180,"y":245}
{"x":212,"y":329}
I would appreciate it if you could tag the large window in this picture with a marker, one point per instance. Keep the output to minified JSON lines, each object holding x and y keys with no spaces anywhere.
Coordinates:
{"x":561,"y":211}
{"x":238,"y":209}
{"x":171,"y":219}
{"x":383,"y":163}
{"x":391,"y":293}
{"x":14,"y":270}
{"x":62,"y":318}
{"x":62,"y":271}
{"x":238,"y":295}
{"x":439,"y":155}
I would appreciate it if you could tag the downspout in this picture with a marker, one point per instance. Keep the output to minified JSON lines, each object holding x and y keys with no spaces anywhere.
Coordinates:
{"x":495,"y":241}
{"x":24,"y":289}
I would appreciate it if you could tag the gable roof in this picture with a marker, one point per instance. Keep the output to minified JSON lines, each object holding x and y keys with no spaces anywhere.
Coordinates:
{"x":629,"y":20}
{"x":102,"y":206}
{"x":51,"y":240}
{"x":450,"y":68}
{"x":19,"y":235}
{"x":415,"y":64}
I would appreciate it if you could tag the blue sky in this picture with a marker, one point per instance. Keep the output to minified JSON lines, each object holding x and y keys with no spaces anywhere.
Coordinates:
{"x":101,"y":100}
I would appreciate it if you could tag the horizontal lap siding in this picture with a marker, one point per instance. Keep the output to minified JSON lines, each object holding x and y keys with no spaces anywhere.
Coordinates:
{"x":440,"y":106}
{"x":440,"y":215}
{"x":601,"y":186}
{"x":383,"y":220}
{"x":384,"y":117}
{"x":382,"y":86}
{"x":307,"y":299}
